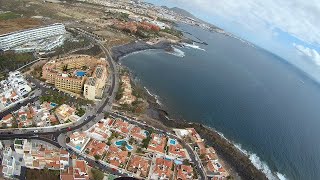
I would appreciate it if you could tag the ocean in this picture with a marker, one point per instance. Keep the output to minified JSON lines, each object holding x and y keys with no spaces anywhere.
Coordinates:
{"x":267,"y":107}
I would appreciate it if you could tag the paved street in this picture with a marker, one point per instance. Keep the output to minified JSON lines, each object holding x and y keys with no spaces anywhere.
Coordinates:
{"x":57,"y":134}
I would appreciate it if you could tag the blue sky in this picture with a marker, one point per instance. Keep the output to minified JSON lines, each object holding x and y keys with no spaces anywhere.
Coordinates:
{"x":288,"y":28}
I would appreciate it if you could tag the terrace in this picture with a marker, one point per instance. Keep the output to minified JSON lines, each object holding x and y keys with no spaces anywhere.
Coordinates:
{"x":139,"y":165}
{"x":158,"y":143}
{"x":95,"y":149}
{"x":78,"y":141}
{"x":162,"y":169}
{"x":116,"y":156}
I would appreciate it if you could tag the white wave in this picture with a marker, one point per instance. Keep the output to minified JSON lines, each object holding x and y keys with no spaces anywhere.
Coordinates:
{"x":177,"y":52}
{"x":256,"y":161}
{"x":194,"y":46}
{"x":137,"y":52}
{"x":153,"y":95}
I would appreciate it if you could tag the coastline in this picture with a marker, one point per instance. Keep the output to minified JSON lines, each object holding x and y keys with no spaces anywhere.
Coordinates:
{"x":239,"y":162}
{"x":121,"y":51}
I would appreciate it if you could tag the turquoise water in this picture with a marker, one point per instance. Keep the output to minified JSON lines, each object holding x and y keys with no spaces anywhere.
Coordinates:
{"x":78,"y":147}
{"x":172,"y":141}
{"x":120,"y":142}
{"x":53,"y":104}
{"x":80,"y":73}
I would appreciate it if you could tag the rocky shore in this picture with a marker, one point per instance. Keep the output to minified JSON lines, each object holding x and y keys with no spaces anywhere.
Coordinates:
{"x":136,"y":46}
{"x":238,"y":161}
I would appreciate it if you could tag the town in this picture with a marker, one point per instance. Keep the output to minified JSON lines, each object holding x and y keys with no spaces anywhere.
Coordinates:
{"x":69,"y":110}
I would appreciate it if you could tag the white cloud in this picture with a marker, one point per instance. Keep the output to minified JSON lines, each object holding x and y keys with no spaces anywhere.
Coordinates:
{"x":308,"y":52}
{"x":300,"y":18}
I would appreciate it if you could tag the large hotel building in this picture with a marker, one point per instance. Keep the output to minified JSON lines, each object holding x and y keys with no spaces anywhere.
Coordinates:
{"x":11,"y":40}
{"x":75,"y":73}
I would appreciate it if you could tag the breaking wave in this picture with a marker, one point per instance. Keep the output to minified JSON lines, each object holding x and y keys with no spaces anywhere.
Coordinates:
{"x":177,"y":52}
{"x":194,"y":46}
{"x":154,"y":95}
{"x":262,"y":166}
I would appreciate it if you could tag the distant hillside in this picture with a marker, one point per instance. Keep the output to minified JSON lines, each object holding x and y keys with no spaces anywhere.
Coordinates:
{"x":188,"y":14}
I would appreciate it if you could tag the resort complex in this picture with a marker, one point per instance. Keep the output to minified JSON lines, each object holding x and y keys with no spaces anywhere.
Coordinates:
{"x":43,"y":38}
{"x":77,"y":74}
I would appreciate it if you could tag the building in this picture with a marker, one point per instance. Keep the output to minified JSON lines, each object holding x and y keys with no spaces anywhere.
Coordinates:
{"x":71,"y":73}
{"x":116,"y":157}
{"x":14,"y":39}
{"x":78,"y":141}
{"x":184,"y":172}
{"x":162,"y":169}
{"x":66,"y":113}
{"x":157,"y":143}
{"x":95,"y":148}
{"x":77,"y":171}
{"x":139,"y":165}
{"x":8,"y":162}
{"x":94,"y":86}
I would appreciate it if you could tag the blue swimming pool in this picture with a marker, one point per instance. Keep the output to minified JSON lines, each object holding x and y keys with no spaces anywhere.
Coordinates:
{"x":120,"y":142}
{"x":80,"y":73}
{"x":172,"y":141}
{"x":53,"y":104}
{"x":78,"y":147}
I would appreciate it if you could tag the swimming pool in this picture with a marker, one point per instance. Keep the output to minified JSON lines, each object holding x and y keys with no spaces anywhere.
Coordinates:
{"x":172,"y":141}
{"x":53,"y":104}
{"x":120,"y":142}
{"x":80,"y":73}
{"x":78,"y":147}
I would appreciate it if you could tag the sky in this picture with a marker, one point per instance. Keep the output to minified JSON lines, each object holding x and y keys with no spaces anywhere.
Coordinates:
{"x":288,"y":28}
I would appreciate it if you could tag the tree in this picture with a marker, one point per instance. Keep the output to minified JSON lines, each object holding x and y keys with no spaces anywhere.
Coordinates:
{"x":97,"y":157}
{"x":65,"y":67}
{"x":97,"y":174}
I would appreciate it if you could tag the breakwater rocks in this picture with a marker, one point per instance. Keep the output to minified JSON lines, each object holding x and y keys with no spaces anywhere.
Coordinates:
{"x":123,"y":50}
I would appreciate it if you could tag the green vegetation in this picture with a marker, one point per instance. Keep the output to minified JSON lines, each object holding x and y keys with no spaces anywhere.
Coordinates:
{"x":8,"y":15}
{"x":65,"y":67}
{"x":97,"y":157}
{"x":120,"y":92}
{"x":18,"y":141}
{"x":106,"y":114}
{"x":172,"y":31}
{"x":10,"y":61}
{"x":123,"y":146}
{"x":60,"y":98}
{"x":186,"y":162}
{"x":146,"y":141}
{"x":97,"y":174}
{"x":80,"y":111}
{"x":42,"y":174}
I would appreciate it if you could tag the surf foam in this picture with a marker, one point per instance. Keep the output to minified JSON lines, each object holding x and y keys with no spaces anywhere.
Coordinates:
{"x":262,"y":166}
{"x":177,"y":52}
{"x":194,"y":46}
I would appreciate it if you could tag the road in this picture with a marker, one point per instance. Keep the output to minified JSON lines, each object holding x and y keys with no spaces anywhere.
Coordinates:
{"x":194,"y":158}
{"x":89,"y":119}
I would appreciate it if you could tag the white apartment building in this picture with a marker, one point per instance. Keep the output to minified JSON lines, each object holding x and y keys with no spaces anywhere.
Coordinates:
{"x":14,"y":39}
{"x":8,"y":162}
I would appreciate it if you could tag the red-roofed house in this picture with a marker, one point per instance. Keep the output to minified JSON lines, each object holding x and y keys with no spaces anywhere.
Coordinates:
{"x":138,"y":133}
{"x":162,"y":169}
{"x":139,"y":165}
{"x":121,"y":126}
{"x":116,"y":156}
{"x":184,"y":172}
{"x":95,"y":147}
{"x":157,"y":143}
